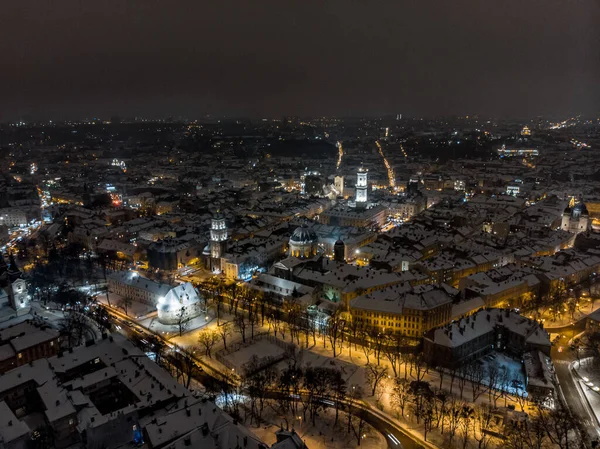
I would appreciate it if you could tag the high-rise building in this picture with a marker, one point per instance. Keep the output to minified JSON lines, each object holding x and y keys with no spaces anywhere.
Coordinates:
{"x":361,"y":187}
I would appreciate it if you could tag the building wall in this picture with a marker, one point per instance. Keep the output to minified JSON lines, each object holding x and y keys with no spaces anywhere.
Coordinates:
{"x":410,"y":322}
{"x":129,"y":291}
{"x":499,"y":338}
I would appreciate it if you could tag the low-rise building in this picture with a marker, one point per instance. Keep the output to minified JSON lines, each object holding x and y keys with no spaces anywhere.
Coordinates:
{"x":25,"y":342}
{"x":110,"y":394}
{"x":476,"y":335}
{"x":403,"y":309}
{"x":174,"y":304}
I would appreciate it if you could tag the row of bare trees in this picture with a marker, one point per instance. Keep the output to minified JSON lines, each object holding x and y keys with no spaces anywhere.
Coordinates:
{"x":463,"y":423}
{"x":301,"y":390}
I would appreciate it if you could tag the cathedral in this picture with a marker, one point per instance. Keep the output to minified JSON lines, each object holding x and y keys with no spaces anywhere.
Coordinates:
{"x":13,"y":289}
{"x":303,"y":243}
{"x":575,"y":218}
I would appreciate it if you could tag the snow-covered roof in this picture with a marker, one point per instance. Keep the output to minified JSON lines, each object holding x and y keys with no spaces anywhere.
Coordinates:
{"x":460,"y":332}
{"x":133,"y":279}
{"x":396,"y":298}
{"x":11,"y":428}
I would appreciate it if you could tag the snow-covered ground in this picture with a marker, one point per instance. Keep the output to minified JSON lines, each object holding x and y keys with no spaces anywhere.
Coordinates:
{"x":513,"y":368}
{"x":324,"y":435}
{"x":261,"y":348}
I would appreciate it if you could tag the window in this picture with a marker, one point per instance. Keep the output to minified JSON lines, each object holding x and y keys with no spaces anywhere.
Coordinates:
{"x":19,"y":355}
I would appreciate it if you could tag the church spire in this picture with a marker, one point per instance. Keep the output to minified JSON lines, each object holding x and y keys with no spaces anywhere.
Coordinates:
{"x":13,"y":270}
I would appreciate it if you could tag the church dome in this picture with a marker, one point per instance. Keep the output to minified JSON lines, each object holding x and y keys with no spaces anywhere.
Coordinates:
{"x":582,"y":209}
{"x":304,"y":243}
{"x":303,"y":235}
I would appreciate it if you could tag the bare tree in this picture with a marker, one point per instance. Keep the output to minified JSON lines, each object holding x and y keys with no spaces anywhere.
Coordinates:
{"x":420,"y":366}
{"x":183,"y":363}
{"x":224,"y":331}
{"x":207,"y":339}
{"x":355,"y":393}
{"x":218,"y":305}
{"x":476,"y":375}
{"x":74,"y":325}
{"x":465,"y":424}
{"x":257,"y":380}
{"x":253,"y":318}
{"x":393,"y":349}
{"x":359,"y":426}
{"x":521,"y":398}
{"x":338,"y":391}
{"x":441,"y":371}
{"x":563,"y":428}
{"x":482,"y":422}
{"x":124,"y":303}
{"x":528,"y":434}
{"x":335,"y":327}
{"x":462,"y":380}
{"x":366,"y":345}
{"x":377,"y":342}
{"x":493,"y":375}
{"x":241,"y":324}
{"x":316,"y":384}
{"x":374,"y":375}
{"x":183,"y":320}
{"x":400,"y":394}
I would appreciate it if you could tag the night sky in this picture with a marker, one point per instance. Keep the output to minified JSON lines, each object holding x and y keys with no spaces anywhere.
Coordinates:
{"x":74,"y":59}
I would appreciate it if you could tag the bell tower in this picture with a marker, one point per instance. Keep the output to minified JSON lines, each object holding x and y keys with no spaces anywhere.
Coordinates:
{"x":218,"y":237}
{"x":361,"y":187}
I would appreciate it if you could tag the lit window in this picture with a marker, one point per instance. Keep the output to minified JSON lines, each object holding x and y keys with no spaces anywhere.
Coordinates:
{"x":20,"y":355}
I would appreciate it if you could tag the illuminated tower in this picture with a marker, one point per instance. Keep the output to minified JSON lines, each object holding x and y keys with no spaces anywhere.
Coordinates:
{"x":361,"y":187}
{"x":218,"y":237}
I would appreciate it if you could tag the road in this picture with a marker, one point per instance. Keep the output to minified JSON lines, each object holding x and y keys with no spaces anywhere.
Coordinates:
{"x":562,"y":360}
{"x":394,"y":435}
{"x":18,"y":234}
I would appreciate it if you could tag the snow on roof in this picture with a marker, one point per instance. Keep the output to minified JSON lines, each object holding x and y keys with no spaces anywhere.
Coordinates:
{"x":33,"y":338}
{"x":133,"y":279}
{"x":396,"y":298}
{"x":92,"y":378}
{"x":349,"y":278}
{"x":56,"y":401}
{"x":6,"y":352}
{"x":460,"y":332}
{"x":11,"y":428}
{"x":201,"y":420}
{"x":115,"y":245}
{"x":465,"y":307}
{"x":182,"y":295}
{"x":281,"y":285}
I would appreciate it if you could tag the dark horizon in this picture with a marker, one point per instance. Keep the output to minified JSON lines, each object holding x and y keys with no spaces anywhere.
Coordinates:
{"x":71,"y":60}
